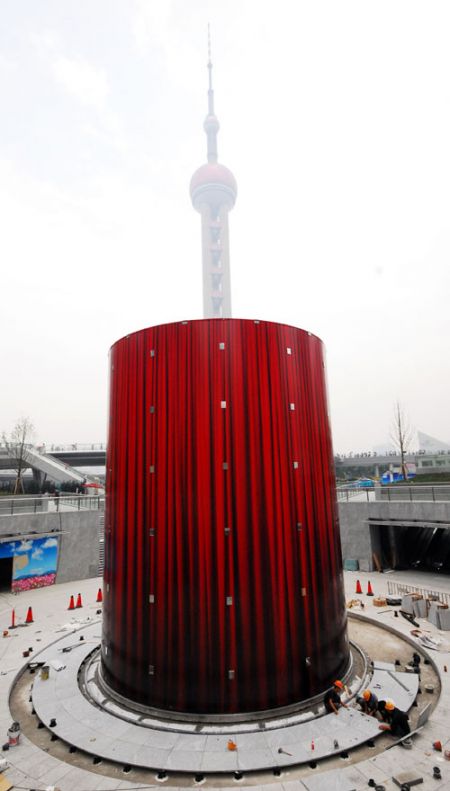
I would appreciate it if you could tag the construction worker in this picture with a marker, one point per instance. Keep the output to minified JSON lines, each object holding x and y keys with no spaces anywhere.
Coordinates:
{"x":368,"y":702}
{"x":332,"y":698}
{"x":381,"y":710}
{"x":397,"y":722}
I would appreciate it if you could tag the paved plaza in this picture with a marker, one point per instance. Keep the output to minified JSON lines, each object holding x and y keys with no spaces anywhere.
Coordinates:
{"x":37,"y":766}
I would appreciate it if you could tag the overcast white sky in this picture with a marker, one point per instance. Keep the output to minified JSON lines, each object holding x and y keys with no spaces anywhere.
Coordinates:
{"x":335,"y":120}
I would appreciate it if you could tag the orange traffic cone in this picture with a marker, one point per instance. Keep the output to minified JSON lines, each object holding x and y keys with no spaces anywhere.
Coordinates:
{"x":71,"y":604}
{"x":369,"y":589}
{"x":29,"y":618}
{"x":99,"y":596}
{"x":358,"y":587}
{"x":13,"y":620}
{"x":79,"y":602}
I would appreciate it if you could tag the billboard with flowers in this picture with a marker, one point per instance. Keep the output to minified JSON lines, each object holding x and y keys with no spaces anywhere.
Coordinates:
{"x":35,"y":562}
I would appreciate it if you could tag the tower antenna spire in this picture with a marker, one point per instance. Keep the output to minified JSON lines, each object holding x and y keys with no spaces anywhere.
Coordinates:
{"x":210,"y":66}
{"x":211,"y":124}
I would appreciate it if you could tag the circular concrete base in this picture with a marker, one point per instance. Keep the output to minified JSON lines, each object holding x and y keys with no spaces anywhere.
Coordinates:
{"x":96,"y":689}
{"x":72,"y":705}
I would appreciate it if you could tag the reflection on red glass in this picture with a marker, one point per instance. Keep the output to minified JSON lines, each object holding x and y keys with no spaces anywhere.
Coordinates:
{"x":223,"y":574}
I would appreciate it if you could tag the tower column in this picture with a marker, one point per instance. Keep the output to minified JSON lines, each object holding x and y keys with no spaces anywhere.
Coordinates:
{"x":216,"y":263}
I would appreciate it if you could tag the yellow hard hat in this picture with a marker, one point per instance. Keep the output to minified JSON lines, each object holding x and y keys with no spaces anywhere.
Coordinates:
{"x":389,"y":705}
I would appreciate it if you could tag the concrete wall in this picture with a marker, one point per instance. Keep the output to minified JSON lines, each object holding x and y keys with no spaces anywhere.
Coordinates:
{"x":360,"y":540}
{"x":78,"y":533}
{"x":355,"y":533}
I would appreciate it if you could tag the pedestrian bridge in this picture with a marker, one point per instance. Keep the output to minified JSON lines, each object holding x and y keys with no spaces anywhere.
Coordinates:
{"x":45,"y":464}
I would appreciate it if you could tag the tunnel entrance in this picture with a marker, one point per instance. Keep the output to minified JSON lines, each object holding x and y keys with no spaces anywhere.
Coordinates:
{"x":412,"y":547}
{"x":6,"y":572}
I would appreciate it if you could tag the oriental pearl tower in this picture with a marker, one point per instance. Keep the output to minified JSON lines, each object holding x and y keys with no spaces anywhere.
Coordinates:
{"x":213,"y":191}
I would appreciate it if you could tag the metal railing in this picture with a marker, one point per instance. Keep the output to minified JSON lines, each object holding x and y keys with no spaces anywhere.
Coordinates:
{"x":388,"y":454}
{"x":32,"y":504}
{"x":412,"y":494}
{"x":400,"y":589}
{"x":350,"y":492}
{"x":44,"y":448}
{"x":83,"y":446}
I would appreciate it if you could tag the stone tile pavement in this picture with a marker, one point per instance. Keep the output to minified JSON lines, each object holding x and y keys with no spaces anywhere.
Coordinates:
{"x":32,"y":768}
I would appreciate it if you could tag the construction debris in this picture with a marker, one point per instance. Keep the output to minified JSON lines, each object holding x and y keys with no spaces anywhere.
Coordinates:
{"x":426,"y":640}
{"x":355,"y":603}
{"x":409,"y":617}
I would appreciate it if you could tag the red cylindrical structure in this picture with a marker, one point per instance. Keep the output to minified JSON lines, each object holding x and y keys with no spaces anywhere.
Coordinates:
{"x":223,"y":573}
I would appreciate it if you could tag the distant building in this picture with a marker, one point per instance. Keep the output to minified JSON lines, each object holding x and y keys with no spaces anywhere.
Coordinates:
{"x":420,"y":443}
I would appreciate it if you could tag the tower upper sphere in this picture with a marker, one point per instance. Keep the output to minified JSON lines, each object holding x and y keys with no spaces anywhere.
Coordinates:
{"x":213,"y":184}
